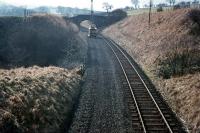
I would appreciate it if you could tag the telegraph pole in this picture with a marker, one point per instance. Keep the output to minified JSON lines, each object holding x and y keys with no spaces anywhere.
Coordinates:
{"x":92,"y":12}
{"x":25,"y":14}
{"x":150,"y":5}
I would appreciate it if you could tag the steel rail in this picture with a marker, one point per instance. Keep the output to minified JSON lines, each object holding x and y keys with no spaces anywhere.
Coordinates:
{"x":163,"y":117}
{"x":135,"y":101}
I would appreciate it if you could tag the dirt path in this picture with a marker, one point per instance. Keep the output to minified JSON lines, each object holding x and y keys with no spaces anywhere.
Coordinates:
{"x":101,"y":107}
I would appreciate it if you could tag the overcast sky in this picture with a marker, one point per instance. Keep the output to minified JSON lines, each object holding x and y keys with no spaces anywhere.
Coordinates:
{"x":77,"y":3}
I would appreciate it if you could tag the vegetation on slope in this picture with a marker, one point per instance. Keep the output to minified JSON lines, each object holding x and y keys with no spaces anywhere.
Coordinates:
{"x":36,"y":99}
{"x":167,"y":49}
{"x":184,"y":57}
{"x":40,"y":40}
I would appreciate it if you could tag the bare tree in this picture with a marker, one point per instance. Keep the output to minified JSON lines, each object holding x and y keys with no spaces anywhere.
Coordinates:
{"x":171,"y":2}
{"x":107,"y":7}
{"x":135,"y":2}
{"x":196,"y":1}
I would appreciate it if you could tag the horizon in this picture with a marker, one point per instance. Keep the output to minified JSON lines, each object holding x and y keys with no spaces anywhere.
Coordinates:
{"x":78,"y":4}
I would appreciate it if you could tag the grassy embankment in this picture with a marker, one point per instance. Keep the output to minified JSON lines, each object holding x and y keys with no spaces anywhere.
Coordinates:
{"x":38,"y":99}
{"x":169,"y":52}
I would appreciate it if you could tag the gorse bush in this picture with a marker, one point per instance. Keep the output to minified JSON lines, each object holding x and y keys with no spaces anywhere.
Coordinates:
{"x":194,"y":15}
{"x":160,"y":9}
{"x":42,"y":41}
{"x":179,"y":61}
{"x":184,"y":55}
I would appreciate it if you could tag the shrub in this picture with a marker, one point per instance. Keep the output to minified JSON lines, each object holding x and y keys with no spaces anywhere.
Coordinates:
{"x":160,"y":9}
{"x":178,"y":62}
{"x":176,"y":7}
{"x":119,"y":13}
{"x":194,"y":15}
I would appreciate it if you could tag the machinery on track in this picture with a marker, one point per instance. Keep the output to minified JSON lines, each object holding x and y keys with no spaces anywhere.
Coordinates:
{"x":92,"y":30}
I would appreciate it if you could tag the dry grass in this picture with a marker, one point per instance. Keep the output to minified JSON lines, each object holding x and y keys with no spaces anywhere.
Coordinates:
{"x":168,"y":31}
{"x":36,"y":99}
{"x":183,"y":95}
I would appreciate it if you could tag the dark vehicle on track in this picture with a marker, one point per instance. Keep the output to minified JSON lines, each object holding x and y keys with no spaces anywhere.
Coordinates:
{"x":92,"y":31}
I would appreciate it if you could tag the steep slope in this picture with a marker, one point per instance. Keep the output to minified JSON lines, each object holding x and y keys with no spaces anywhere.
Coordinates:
{"x":39,"y":99}
{"x":36,"y":99}
{"x":39,"y":40}
{"x":169,"y":52}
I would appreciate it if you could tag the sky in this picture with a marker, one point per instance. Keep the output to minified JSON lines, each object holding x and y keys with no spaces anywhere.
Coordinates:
{"x":77,"y":3}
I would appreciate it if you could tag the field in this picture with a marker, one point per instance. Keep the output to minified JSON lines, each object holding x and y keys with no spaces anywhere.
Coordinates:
{"x":168,"y":51}
{"x":145,"y":10}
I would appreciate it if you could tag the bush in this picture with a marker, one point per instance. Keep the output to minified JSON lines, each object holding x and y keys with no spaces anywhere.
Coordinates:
{"x":176,"y":7}
{"x":178,"y":62}
{"x":194,"y":15}
{"x":119,"y":13}
{"x":160,"y":9}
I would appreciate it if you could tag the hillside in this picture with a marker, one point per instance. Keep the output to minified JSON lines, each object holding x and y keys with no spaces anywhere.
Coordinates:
{"x":169,"y":52}
{"x":40,"y":40}
{"x":39,"y":73}
{"x":36,"y":99}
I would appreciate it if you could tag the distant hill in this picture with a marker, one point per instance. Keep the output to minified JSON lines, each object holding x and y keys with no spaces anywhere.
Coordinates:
{"x":66,"y":11}
{"x":10,"y":10}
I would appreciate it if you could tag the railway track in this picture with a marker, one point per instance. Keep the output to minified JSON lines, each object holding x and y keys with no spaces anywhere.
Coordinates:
{"x":149,"y":112}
